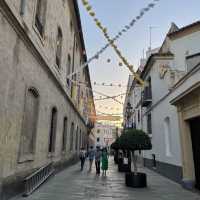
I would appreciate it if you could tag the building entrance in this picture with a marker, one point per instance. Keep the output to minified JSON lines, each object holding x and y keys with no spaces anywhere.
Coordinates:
{"x":195,"y":136}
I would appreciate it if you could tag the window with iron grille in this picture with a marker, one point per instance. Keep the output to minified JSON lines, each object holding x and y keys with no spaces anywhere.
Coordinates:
{"x":59,"y":48}
{"x":64,"y":139}
{"x":72,"y":136}
{"x":68,"y":68}
{"x":76,"y":144}
{"x":40,"y":15}
{"x":52,"y":134}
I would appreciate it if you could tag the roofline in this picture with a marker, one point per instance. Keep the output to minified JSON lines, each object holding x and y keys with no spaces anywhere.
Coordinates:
{"x":185,"y":28}
{"x":80,"y":31}
{"x":151,"y":60}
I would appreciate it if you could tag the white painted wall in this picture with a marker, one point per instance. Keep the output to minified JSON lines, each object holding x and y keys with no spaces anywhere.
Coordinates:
{"x":184,"y":46}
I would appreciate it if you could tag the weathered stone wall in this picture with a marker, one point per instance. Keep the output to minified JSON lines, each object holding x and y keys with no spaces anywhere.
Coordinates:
{"x":28,"y":60}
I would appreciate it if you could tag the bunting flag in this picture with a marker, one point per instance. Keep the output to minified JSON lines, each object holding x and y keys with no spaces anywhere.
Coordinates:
{"x":118,"y":35}
{"x":111,"y":41}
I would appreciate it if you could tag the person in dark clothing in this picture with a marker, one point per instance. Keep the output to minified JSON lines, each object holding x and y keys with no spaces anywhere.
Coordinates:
{"x":97,"y":159}
{"x":82,"y":157}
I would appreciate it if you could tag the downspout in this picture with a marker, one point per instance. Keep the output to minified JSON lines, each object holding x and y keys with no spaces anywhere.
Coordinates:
{"x":22,"y":7}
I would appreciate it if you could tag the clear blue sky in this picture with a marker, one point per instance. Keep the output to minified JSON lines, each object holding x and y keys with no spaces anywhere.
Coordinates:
{"x":114,"y":14}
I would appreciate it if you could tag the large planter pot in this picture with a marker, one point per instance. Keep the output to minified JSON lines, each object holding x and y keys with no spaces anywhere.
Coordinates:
{"x":138,"y":180}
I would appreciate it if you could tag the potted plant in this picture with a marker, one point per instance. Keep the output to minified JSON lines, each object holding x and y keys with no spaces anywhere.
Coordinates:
{"x":122,"y":157}
{"x":135,"y":140}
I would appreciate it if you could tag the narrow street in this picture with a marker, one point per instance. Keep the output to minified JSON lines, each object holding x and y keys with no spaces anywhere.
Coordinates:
{"x":71,"y":184}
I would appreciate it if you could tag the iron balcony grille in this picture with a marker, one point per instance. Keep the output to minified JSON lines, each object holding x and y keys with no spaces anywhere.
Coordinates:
{"x":146,"y":97}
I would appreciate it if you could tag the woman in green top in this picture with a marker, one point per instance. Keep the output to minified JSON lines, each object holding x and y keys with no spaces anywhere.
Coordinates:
{"x":104,"y":157}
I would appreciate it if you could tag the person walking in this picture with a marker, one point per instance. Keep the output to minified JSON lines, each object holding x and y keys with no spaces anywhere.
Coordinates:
{"x":97,"y":159}
{"x":104,"y":166}
{"x":82,"y":157}
{"x":91,"y":155}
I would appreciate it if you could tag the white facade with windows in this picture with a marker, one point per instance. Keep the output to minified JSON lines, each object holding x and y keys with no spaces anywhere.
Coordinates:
{"x":160,"y":118}
{"x":178,"y":54}
{"x":104,"y":134}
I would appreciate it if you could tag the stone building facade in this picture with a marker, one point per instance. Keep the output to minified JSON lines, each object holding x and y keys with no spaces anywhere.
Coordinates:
{"x":45,"y":113}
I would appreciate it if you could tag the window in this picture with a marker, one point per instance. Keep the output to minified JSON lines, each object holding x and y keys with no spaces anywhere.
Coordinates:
{"x":76,"y":145}
{"x":71,"y":26}
{"x":98,"y":139}
{"x":68,"y":68}
{"x":167,"y":132}
{"x":28,"y":139}
{"x":139,"y":116}
{"x":64,"y":139}
{"x":40,"y":15}
{"x":80,"y":142}
{"x":59,"y":47}
{"x":52,"y":134}
{"x":72,"y":137}
{"x":149,"y":125}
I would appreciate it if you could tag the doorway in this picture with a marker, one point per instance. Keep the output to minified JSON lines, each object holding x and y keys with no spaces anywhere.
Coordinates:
{"x":195,"y":136}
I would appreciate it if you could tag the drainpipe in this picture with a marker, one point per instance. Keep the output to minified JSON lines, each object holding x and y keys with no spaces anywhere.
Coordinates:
{"x":22,"y":8}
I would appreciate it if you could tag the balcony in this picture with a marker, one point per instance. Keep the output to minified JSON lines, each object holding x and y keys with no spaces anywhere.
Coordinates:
{"x":146,"y":97}
{"x":90,"y":125}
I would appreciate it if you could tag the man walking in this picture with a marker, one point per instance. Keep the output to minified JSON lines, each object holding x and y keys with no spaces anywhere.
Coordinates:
{"x":97,"y":159}
{"x":82,"y":157}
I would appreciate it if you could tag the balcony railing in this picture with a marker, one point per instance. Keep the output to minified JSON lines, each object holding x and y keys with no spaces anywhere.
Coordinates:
{"x":146,"y":97}
{"x":90,"y":125}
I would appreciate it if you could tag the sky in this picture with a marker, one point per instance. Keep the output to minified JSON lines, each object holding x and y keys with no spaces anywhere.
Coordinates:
{"x":114,"y":14}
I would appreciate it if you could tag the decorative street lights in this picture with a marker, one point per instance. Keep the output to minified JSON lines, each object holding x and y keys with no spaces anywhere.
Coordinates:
{"x":129,"y":112}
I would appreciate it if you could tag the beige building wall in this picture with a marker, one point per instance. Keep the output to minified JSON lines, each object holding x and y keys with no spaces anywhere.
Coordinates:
{"x":27,"y":60}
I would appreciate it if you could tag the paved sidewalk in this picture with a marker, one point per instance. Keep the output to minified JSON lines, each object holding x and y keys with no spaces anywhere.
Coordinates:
{"x":71,"y":184}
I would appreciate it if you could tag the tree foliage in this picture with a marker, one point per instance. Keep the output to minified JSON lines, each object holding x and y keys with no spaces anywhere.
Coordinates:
{"x":133,"y":139}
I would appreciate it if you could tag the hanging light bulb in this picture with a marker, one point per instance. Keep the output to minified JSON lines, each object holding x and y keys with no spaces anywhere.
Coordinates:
{"x":108,"y":60}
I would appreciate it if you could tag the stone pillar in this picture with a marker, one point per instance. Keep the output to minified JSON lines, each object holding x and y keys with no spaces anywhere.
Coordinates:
{"x":187,"y":152}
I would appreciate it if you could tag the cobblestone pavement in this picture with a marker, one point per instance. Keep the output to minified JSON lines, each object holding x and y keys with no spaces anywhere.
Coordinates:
{"x":72,"y":184}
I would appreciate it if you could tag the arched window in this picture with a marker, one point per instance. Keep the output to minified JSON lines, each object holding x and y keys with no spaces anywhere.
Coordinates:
{"x":68,"y":68}
{"x":167,"y":132}
{"x":80,"y":142}
{"x":29,"y":130}
{"x":59,"y":47}
{"x":76,"y":146}
{"x":64,"y":138}
{"x":52,"y":133}
{"x":72,"y":136}
{"x":40,"y":15}
{"x":71,"y":26}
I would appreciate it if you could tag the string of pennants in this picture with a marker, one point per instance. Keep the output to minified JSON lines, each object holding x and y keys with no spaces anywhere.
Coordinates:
{"x":108,"y":108}
{"x":105,"y":98}
{"x":109,"y":85}
{"x":111,"y":40}
{"x":125,"y":29}
{"x":99,"y":93}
